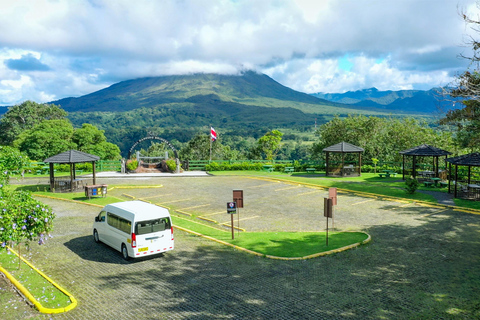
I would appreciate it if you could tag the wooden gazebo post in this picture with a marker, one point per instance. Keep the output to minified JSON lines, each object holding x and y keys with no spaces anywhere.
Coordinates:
{"x":93,"y":168}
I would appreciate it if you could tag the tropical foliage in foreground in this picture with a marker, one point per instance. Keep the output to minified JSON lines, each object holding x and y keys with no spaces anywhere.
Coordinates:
{"x":22,"y":218}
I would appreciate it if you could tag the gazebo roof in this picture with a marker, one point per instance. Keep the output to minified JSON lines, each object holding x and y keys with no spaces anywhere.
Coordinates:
{"x":72,"y":156}
{"x":425,"y":150}
{"x":343,"y":147}
{"x":472,"y":159}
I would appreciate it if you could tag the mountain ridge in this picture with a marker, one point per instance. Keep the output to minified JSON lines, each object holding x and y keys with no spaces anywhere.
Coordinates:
{"x":424,"y":101}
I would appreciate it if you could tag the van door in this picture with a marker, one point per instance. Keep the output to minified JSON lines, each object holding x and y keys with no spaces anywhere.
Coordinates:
{"x":101,"y":225}
{"x":154,"y":236}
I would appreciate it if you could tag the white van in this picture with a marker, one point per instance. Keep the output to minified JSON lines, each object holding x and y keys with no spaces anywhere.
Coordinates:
{"x":135,"y":228}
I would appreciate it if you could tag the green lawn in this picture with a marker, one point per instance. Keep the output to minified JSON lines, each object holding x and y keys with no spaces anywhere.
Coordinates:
{"x":295,"y":244}
{"x":280,"y":244}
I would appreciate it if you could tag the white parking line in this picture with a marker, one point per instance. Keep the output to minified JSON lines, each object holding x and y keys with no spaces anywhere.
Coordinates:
{"x":305,"y":193}
{"x":199,"y":206}
{"x":177,"y":200}
{"x":288,"y":188}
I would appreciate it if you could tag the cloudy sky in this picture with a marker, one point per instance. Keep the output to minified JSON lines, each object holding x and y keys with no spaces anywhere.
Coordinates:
{"x":51,"y":49}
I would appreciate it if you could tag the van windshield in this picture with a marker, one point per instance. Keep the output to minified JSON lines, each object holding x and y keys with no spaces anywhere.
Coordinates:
{"x":149,"y":226}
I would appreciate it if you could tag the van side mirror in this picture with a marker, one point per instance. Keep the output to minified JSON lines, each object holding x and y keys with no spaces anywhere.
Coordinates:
{"x":96,"y":219}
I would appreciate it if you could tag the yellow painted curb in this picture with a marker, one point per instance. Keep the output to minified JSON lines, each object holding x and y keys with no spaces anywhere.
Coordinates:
{"x":183,"y":212}
{"x":30,"y":297}
{"x":315,"y":255}
{"x":206,"y":219}
{"x":68,"y":200}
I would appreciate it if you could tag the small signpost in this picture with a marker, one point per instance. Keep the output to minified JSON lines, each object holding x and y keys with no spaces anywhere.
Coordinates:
{"x":238,"y":198}
{"x":332,"y":194}
{"x":327,"y":212}
{"x":232,"y":209}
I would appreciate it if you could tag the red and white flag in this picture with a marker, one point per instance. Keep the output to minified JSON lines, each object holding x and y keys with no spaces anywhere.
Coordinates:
{"x":213,"y":134}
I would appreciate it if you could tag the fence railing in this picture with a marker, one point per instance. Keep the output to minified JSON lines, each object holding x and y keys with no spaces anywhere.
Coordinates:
{"x":108,"y":165}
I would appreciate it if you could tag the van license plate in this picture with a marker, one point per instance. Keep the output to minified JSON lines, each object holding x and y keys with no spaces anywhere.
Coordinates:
{"x":142,"y":249}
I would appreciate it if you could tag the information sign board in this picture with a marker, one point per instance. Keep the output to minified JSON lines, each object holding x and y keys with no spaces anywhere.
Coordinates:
{"x":231,"y":207}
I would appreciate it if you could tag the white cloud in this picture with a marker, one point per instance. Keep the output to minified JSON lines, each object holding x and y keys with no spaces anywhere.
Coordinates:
{"x":91,"y":44}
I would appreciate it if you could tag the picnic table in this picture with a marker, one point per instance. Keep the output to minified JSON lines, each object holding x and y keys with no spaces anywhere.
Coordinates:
{"x":267,"y":167}
{"x":474,"y":190}
{"x":311,"y":170}
{"x":426,"y":173}
{"x":387,"y":173}
{"x":428,"y":183}
{"x":435,"y":181}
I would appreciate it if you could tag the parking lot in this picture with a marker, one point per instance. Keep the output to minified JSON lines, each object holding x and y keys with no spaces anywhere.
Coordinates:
{"x":422,"y":261}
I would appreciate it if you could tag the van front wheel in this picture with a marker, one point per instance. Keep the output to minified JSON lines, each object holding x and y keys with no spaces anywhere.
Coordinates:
{"x":95,"y":236}
{"x":125,"y":252}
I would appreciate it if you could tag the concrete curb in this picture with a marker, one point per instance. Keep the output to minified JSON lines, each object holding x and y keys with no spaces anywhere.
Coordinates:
{"x":30,"y":297}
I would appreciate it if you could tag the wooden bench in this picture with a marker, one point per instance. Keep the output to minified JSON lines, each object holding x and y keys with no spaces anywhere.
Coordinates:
{"x":311,"y":170}
{"x":289,"y":169}
{"x":443,"y":184}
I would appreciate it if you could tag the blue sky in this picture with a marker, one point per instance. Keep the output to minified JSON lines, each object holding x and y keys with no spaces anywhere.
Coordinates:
{"x":51,"y":49}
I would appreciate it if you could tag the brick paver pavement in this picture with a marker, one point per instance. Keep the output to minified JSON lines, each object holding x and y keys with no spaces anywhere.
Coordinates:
{"x":422,"y":261}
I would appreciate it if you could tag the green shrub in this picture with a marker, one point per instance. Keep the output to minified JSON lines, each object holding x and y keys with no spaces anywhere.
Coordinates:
{"x":171,"y":164}
{"x":411,"y":185}
{"x":132,"y":165}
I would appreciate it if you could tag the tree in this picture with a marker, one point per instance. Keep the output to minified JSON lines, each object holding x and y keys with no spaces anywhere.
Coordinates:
{"x":51,"y":137}
{"x":24,"y":117}
{"x":199,"y":149}
{"x":269,"y":144}
{"x":91,"y":140}
{"x":46,"y":139}
{"x":467,"y":86}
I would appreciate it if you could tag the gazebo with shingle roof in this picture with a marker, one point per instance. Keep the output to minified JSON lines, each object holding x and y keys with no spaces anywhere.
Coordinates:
{"x":71,"y":157}
{"x":467,"y":160}
{"x":340,"y":169}
{"x":423,"y":150}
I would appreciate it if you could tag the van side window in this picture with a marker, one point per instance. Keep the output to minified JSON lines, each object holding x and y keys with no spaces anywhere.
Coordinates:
{"x":149,"y":226}
{"x":101,"y":216}
{"x":119,"y":223}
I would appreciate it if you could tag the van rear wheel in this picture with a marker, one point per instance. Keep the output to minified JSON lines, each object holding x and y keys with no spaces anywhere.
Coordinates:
{"x":95,"y":236}
{"x":125,"y":252}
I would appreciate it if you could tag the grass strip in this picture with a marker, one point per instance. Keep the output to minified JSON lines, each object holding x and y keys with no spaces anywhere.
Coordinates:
{"x":41,"y":289}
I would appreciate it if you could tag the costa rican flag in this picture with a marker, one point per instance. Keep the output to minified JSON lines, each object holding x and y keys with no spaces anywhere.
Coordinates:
{"x":213,"y":134}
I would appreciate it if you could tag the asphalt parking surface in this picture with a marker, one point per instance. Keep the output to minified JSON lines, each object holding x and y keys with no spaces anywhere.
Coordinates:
{"x":423,"y":262}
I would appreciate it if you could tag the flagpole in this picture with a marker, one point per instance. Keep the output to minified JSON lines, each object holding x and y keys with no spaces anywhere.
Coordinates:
{"x":210,"y":137}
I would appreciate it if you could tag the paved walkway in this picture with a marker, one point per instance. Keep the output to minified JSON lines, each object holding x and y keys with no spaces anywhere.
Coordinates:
{"x":441,"y":197}
{"x":115,"y":174}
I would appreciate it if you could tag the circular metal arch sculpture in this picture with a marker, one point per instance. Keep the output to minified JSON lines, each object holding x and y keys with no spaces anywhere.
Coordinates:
{"x":151,"y":137}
